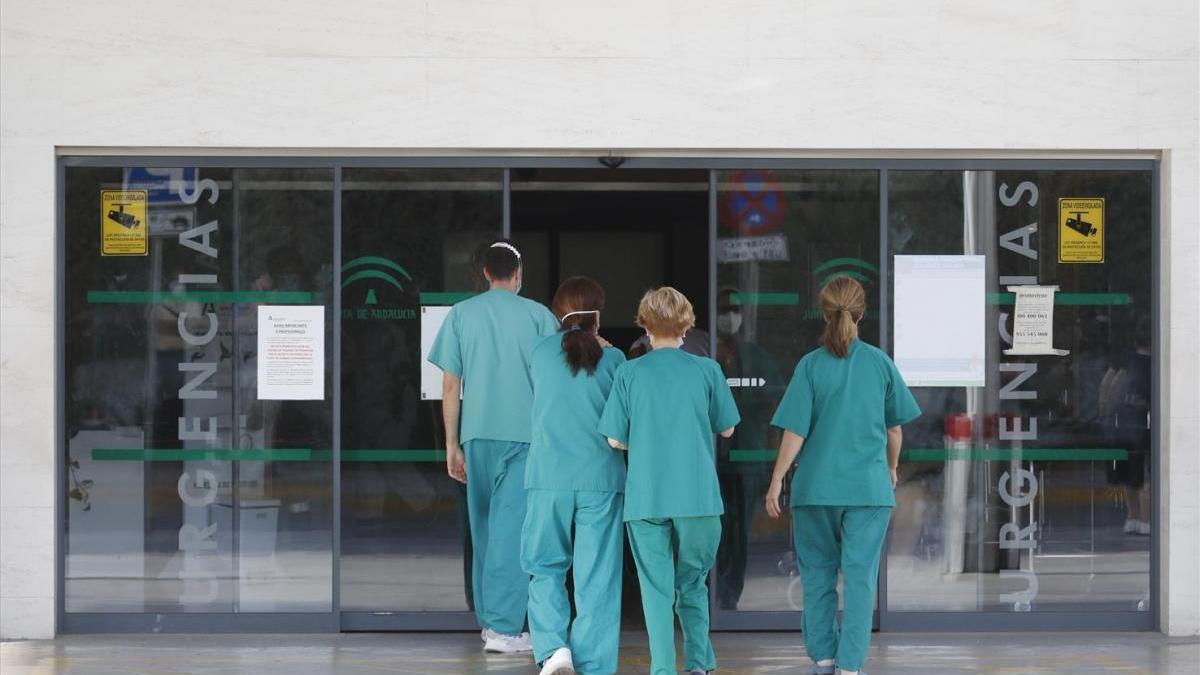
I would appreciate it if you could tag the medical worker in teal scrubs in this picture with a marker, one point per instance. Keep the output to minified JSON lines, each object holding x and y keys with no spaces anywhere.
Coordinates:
{"x":484,"y":349}
{"x":574,"y":483}
{"x":844,"y":407}
{"x":664,"y":409}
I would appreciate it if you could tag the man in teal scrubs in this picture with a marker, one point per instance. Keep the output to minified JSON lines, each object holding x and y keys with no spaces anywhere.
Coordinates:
{"x":483,"y":349}
{"x":664,"y":408}
{"x":574,"y":484}
{"x":844,"y":407}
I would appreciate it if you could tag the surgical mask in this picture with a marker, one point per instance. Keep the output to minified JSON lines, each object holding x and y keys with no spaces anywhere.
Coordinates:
{"x":582,"y":311}
{"x":728,"y":323}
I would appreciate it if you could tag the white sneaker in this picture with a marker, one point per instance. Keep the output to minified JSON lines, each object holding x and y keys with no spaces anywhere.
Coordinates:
{"x":508,"y":644}
{"x":487,"y":634}
{"x":1143,"y":528}
{"x":1130,"y":526}
{"x":559,"y":663}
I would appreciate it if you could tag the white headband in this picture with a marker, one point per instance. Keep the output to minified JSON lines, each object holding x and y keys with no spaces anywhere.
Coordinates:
{"x":585,"y":311}
{"x":508,"y":246}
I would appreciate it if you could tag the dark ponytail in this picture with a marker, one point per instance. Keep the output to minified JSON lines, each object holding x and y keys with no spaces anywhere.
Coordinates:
{"x":577,"y":304}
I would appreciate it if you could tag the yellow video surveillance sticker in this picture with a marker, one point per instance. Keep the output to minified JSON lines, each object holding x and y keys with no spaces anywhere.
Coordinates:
{"x":1081,"y":230}
{"x":123,"y":228}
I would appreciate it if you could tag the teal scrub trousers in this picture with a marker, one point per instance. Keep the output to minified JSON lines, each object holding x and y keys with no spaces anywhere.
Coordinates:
{"x":496,"y":505}
{"x":829,"y":538}
{"x":673,"y":557}
{"x":594,"y":555}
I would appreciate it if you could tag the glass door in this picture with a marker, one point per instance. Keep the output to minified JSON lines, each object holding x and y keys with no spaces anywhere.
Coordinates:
{"x":1030,"y":497}
{"x":409,"y":237}
{"x":198,"y":486}
{"x":780,"y":234}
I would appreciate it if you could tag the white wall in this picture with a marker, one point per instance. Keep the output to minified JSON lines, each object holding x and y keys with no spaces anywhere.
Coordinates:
{"x":524,"y":74}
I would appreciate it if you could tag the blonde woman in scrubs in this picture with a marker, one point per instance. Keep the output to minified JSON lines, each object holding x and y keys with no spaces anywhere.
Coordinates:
{"x":574,"y":483}
{"x":483,"y":349}
{"x":664,"y":409}
{"x":844,"y":407}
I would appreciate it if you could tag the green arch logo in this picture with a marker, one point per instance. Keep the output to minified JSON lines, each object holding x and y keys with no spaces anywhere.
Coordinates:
{"x":856,"y":268}
{"x":374,"y":267}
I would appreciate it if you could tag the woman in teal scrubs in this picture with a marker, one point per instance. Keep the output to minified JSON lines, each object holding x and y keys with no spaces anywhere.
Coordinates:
{"x":484,"y":348}
{"x":664,"y":409}
{"x":574,"y":483}
{"x":844,"y":405}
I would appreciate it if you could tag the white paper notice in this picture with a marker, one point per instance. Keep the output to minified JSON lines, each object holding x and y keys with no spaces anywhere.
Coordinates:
{"x":939,"y":320}
{"x":1033,"y":321}
{"x":291,"y":352}
{"x":432,"y":318}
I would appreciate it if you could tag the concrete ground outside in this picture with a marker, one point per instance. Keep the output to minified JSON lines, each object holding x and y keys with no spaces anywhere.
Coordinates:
{"x":414,"y":653}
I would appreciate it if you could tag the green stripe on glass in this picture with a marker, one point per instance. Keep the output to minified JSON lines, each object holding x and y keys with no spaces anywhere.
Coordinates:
{"x":262,"y":455}
{"x":216,"y":297}
{"x":1006,"y":454}
{"x":764,"y":298}
{"x":205,"y":455}
{"x":974,"y":454}
{"x":1076,"y":299}
{"x":393,"y":455}
{"x":752,"y":455}
{"x":444,"y":298}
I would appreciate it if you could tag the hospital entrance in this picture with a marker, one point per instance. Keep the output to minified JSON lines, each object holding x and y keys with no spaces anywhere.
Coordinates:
{"x":330,"y":509}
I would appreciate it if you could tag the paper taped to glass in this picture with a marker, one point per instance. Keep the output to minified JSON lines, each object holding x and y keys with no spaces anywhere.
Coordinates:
{"x":1033,"y":322}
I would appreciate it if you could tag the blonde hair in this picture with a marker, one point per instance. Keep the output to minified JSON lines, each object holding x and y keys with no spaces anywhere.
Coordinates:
{"x":843,"y":303}
{"x":665,"y":312}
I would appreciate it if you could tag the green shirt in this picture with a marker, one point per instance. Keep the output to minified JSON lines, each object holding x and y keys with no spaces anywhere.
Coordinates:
{"x":843,"y":409}
{"x":487,"y":341}
{"x":666,"y":406}
{"x":567,"y":452}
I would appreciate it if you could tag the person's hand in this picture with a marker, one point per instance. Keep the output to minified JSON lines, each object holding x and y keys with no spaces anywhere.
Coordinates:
{"x":895,"y":478}
{"x":456,"y":463}
{"x":772,"y":498}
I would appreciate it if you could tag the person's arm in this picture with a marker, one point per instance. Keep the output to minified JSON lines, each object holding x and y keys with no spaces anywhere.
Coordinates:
{"x":617,"y":445}
{"x":728,"y":433}
{"x":456,"y":464}
{"x":789,"y":447}
{"x":895,"y":438}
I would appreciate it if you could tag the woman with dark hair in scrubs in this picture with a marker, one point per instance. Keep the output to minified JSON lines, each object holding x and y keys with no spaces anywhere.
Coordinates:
{"x":574,"y":483}
{"x":844,"y":406}
{"x":483,"y":349}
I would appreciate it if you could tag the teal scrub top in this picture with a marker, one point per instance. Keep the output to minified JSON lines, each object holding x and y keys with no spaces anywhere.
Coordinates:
{"x":843,"y":407}
{"x":666,"y":406}
{"x":567,"y":453}
{"x":487,"y":340}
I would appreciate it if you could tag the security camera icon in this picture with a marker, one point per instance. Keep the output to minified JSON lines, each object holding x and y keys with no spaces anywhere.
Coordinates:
{"x":120,"y":217}
{"x":1080,"y":225}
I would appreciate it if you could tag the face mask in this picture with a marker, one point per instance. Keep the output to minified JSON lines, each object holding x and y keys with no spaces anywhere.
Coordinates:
{"x":729,"y":322}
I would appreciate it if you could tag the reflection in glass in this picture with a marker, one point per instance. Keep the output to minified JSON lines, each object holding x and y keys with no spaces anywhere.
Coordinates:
{"x":408,"y":240}
{"x":781,"y":234}
{"x":994,"y":513}
{"x":185,"y":493}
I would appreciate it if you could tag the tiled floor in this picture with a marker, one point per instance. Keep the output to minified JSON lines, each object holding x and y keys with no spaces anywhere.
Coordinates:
{"x":410,"y":653}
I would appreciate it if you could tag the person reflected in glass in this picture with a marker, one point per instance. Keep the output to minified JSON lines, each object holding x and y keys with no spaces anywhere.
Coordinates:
{"x":574,"y":486}
{"x":664,"y":409}
{"x":1125,"y":407}
{"x":844,"y":408}
{"x":742,"y":478}
{"x":483,"y":349}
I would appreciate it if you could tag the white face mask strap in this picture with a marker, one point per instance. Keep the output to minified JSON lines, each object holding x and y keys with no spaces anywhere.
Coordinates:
{"x":585,"y":311}
{"x":508,"y":246}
